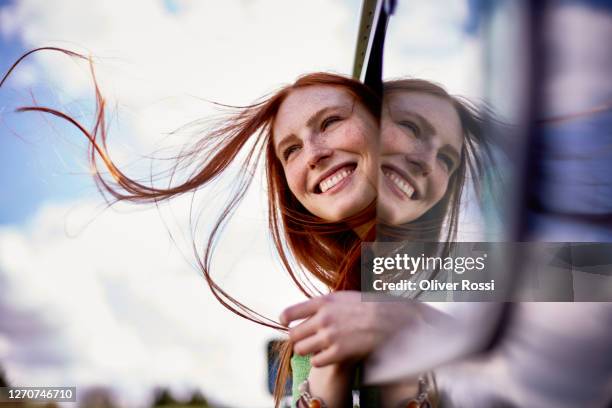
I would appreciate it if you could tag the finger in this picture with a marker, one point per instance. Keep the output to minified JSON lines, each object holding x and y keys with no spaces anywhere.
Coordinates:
{"x":305,"y":329}
{"x":327,"y":356}
{"x":311,"y":345}
{"x":300,"y":311}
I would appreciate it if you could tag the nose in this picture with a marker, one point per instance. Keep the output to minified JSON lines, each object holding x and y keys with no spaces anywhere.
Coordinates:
{"x":318,"y":154}
{"x":421,"y":161}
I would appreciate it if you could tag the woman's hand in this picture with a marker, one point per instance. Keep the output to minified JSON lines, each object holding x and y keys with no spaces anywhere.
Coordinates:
{"x":340,"y":328}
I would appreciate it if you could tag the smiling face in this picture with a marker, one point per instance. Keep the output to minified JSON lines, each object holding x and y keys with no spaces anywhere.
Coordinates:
{"x":327,"y":144}
{"x":421,"y":145}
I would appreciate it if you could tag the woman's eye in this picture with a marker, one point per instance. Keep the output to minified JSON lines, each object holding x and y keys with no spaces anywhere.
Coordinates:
{"x":329,"y":121}
{"x":289,"y":151}
{"x":413,"y":127}
{"x":447,"y":162}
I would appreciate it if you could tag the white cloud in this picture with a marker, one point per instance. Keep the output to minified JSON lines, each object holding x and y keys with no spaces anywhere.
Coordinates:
{"x":117,"y":305}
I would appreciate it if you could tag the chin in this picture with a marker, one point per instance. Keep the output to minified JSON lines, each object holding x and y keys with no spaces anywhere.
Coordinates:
{"x":343,"y":213}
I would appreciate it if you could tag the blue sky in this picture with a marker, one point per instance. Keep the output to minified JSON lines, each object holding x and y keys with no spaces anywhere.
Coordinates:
{"x":36,"y":163}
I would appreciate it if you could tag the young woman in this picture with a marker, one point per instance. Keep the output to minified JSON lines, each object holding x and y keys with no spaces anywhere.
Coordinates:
{"x":319,"y":140}
{"x":429,"y":140}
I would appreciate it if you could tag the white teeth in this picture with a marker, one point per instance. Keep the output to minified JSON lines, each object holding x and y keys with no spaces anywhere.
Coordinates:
{"x":400,"y":183}
{"x":334,"y":179}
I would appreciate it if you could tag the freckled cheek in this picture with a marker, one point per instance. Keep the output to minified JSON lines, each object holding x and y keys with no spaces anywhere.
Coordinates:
{"x":357,"y":137}
{"x":296,"y":179}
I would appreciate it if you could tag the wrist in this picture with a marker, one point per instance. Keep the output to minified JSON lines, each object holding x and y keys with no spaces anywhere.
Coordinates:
{"x":332,"y":384}
{"x":337,"y":373}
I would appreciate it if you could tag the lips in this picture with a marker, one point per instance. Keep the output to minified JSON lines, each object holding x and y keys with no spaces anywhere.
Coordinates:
{"x":334,"y":177}
{"x":400,"y":181}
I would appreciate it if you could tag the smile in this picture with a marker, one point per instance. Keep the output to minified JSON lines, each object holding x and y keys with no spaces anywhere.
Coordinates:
{"x":400,"y":183}
{"x":336,"y":179}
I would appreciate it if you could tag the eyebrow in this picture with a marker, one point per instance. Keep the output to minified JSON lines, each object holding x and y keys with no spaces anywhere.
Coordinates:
{"x":312,"y":122}
{"x":430,"y":129}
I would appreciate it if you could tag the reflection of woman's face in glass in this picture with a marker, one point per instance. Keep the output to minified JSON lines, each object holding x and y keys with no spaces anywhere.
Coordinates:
{"x":326,"y":142}
{"x":421,"y":142}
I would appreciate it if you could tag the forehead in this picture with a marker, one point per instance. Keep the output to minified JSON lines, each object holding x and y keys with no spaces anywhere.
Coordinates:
{"x":302,"y":103}
{"x":437,"y":110}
